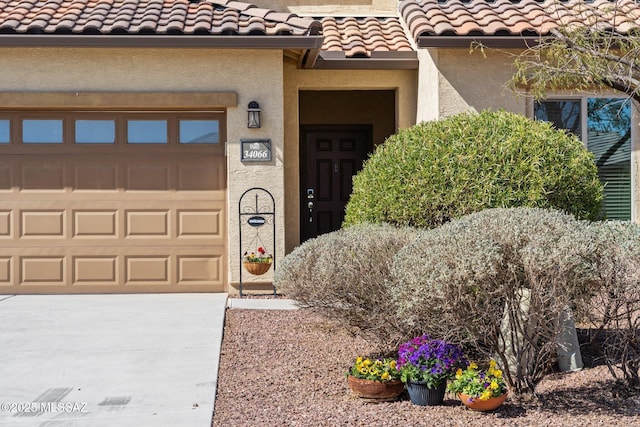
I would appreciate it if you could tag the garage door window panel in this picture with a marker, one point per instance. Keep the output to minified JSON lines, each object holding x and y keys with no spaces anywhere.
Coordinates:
{"x":5,"y":131}
{"x":95,"y":131}
{"x":147,"y":132}
{"x":42,"y":131}
{"x":199,"y":131}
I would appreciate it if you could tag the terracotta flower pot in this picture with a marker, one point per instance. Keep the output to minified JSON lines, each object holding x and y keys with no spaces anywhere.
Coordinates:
{"x":482,"y":405}
{"x":257,"y":268}
{"x":376,"y":391}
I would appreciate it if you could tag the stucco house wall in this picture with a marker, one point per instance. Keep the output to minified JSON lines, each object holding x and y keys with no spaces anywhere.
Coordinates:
{"x":255,"y":75}
{"x":448,"y":81}
{"x":452,"y":81}
{"x":258,"y":75}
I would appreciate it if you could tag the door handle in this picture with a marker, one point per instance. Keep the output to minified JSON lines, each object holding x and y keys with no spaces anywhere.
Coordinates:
{"x":310,"y":195}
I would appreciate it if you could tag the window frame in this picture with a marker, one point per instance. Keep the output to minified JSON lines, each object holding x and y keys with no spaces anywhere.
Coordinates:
{"x":635,"y":145}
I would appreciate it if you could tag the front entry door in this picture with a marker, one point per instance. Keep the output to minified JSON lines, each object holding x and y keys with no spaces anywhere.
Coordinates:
{"x":329,"y":157}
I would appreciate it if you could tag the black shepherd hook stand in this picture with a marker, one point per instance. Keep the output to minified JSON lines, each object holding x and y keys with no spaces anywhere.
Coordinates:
{"x":256,"y":213}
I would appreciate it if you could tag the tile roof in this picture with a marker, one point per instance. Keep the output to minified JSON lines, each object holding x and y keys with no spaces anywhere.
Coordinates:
{"x":212,"y":17}
{"x":504,"y":17}
{"x":364,"y":37}
{"x":346,"y":37}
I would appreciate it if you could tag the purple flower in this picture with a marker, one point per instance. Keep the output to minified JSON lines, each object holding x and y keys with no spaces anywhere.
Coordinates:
{"x":436,"y":359}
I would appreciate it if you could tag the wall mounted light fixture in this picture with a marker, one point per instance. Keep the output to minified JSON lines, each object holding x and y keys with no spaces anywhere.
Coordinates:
{"x":253,"y":115}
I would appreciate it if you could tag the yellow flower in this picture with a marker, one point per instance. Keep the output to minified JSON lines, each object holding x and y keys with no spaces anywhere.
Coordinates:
{"x":366,"y":362}
{"x":378,"y":363}
{"x":492,"y":364}
{"x":392,"y":364}
{"x":494,"y":385}
{"x":363,"y":370}
{"x":385,"y":376}
{"x":359,"y":359}
{"x":459,"y":373}
{"x":497,"y":373}
{"x":472,"y":365}
{"x":486,"y":395}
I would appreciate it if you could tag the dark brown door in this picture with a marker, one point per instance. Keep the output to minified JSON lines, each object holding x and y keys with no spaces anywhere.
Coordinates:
{"x":329,"y":157}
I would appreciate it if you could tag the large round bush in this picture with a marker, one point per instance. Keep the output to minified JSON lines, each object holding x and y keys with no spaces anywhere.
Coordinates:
{"x":426,"y":175}
{"x":500,"y":281}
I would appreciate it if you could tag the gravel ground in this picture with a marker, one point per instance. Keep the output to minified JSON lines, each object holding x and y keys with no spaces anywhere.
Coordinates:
{"x":286,"y":368}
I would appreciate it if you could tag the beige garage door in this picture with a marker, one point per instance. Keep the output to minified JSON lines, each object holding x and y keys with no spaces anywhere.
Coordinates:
{"x":136,"y":214}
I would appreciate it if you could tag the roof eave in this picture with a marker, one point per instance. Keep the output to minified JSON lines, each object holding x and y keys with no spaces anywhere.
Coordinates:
{"x":488,"y":41}
{"x":366,"y":64}
{"x":165,"y":41}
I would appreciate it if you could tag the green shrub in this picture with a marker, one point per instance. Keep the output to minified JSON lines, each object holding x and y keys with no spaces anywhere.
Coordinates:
{"x":498,"y":281}
{"x":435,"y":171}
{"x":344,"y":276}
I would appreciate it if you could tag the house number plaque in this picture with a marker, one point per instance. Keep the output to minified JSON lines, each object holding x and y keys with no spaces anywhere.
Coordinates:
{"x":255,"y":150}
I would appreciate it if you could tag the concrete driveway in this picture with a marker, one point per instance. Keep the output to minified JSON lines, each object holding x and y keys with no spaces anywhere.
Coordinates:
{"x":109,"y":360}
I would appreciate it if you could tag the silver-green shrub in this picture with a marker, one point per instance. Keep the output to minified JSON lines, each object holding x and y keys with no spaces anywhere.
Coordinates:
{"x":614,"y":313}
{"x":498,"y":281}
{"x":425,"y":272}
{"x":344,"y":276}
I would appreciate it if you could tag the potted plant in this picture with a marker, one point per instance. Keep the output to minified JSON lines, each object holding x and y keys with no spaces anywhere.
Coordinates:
{"x":257,"y":264}
{"x":426,"y":364}
{"x":480,"y":390}
{"x":375,"y":380}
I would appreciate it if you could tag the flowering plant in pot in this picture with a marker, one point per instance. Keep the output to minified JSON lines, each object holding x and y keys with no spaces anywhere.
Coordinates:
{"x":426,"y":364}
{"x":257,"y":263}
{"x":375,"y":379}
{"x":482,"y":390}
{"x":374,"y":369}
{"x":261,"y":257}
